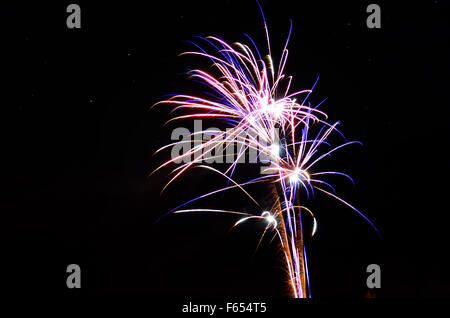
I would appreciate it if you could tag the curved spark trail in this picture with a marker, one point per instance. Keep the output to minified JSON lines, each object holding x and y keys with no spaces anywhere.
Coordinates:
{"x":252,"y":94}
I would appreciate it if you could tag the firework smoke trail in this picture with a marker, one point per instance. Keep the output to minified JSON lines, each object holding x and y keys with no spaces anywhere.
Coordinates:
{"x":253,"y":95}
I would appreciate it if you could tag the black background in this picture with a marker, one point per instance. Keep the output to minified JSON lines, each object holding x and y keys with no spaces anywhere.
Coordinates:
{"x":79,"y":139}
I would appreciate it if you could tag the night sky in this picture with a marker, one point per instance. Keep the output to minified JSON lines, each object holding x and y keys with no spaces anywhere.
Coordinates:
{"x":79,"y":138}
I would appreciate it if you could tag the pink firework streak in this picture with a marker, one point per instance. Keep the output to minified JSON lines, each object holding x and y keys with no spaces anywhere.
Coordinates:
{"x":252,"y":94}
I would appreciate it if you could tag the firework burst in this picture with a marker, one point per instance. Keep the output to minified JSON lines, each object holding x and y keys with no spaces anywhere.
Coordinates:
{"x":252,"y":94}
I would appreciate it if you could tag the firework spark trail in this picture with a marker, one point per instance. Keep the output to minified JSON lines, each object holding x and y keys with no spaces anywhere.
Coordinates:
{"x":247,"y":95}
